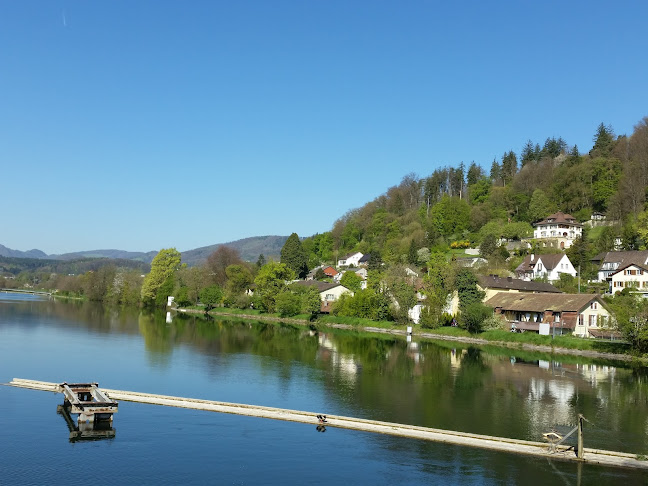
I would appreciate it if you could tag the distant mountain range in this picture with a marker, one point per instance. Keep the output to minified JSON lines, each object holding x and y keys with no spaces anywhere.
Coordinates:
{"x":249,"y":249}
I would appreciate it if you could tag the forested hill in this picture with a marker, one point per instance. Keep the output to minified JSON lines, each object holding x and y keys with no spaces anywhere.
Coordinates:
{"x":15,"y":266}
{"x":248,"y":248}
{"x":463,"y":203}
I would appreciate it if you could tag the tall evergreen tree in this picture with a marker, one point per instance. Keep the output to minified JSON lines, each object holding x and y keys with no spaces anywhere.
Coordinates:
{"x":475,"y":173}
{"x":509,"y":167}
{"x":603,"y":141}
{"x":528,"y":154}
{"x":495,"y":172}
{"x":294,"y":256}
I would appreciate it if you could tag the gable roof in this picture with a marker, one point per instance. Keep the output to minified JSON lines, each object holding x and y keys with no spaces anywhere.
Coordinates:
{"x":495,"y":282}
{"x":622,"y":257}
{"x":365,"y":258}
{"x":622,"y":268}
{"x":541,"y":302}
{"x":559,"y":218}
{"x":351,"y":254}
{"x":550,"y":261}
{"x":321,"y":286}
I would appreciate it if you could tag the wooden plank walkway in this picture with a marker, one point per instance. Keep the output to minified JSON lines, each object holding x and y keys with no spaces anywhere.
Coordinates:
{"x":515,"y":446}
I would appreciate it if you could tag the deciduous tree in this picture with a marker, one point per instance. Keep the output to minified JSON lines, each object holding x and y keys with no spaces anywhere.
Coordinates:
{"x":163,"y":269}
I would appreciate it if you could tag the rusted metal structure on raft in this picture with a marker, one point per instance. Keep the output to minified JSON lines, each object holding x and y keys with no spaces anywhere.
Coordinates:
{"x":88,"y":401}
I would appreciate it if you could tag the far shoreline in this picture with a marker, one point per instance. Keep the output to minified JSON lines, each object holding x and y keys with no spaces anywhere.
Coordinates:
{"x":427,"y":334}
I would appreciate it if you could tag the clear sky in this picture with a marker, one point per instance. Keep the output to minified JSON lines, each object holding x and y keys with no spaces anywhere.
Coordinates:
{"x":140,"y":125}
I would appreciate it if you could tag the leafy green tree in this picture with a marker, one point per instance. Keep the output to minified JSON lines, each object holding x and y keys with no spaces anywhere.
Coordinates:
{"x":438,"y":283}
{"x":351,"y":281}
{"x":405,"y":297}
{"x":311,"y":303}
{"x":450,"y":216}
{"x":294,"y":256}
{"x":239,"y":278}
{"x":473,"y":316}
{"x":270,"y":281}
{"x":466,"y":285}
{"x":631,"y":314}
{"x":211,"y":296}
{"x":287,"y":304}
{"x":488,"y":246}
{"x":540,"y":206}
{"x":163,"y":269}
{"x":479,"y":191}
{"x":641,"y":227}
{"x":366,"y":304}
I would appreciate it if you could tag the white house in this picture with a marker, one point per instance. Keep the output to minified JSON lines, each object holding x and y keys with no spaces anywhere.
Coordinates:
{"x":539,"y":266}
{"x":558,"y":230}
{"x":350,"y":259}
{"x":611,"y":261}
{"x":329,"y":292}
{"x":633,"y":276}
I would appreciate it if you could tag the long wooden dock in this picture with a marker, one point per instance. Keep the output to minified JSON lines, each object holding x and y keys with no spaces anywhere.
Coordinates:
{"x":515,"y":446}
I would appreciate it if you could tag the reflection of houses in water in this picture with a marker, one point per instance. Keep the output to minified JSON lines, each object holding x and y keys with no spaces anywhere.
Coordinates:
{"x":456,"y":357}
{"x":594,"y":373}
{"x":549,"y":401}
{"x":345,"y":364}
{"x":413,"y":350}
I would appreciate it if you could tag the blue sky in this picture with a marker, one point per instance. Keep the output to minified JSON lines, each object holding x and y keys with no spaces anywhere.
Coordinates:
{"x":141,"y":125}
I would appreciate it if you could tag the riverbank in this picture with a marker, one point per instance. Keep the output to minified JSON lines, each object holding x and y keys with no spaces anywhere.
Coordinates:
{"x":441,"y":334}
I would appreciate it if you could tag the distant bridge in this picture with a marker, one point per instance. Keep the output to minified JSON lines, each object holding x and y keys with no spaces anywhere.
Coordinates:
{"x":23,"y":291}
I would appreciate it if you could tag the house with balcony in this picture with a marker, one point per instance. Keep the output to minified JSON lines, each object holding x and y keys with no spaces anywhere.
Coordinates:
{"x":583,"y":315}
{"x":558,"y":230}
{"x":548,"y":265}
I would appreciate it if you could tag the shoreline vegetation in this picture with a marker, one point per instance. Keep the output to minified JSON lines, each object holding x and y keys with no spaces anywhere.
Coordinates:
{"x":612,"y":350}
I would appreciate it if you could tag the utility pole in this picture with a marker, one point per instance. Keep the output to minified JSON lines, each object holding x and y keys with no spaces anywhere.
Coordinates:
{"x":579,"y":271}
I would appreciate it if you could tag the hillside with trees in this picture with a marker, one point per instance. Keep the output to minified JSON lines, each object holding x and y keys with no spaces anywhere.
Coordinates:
{"x":468,"y":203}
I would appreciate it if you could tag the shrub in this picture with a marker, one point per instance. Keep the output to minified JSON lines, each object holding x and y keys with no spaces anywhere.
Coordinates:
{"x":288,"y":304}
{"x":473,"y":316}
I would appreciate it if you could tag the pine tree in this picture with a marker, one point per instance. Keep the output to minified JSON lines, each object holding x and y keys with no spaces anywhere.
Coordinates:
{"x":294,"y":256}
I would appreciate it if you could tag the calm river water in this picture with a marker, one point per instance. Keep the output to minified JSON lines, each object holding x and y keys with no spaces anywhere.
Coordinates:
{"x":494,"y":391}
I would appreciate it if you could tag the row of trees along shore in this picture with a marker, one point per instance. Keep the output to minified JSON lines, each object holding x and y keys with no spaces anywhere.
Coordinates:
{"x":420,"y":224}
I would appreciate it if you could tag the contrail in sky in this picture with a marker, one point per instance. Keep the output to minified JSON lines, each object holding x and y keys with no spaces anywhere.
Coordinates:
{"x":64,"y":19}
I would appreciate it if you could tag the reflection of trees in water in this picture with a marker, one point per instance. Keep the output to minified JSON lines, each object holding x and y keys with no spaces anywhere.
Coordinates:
{"x":382,"y":377}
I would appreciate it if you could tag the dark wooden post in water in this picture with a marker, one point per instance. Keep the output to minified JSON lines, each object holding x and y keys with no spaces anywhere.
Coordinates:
{"x":580,"y":436}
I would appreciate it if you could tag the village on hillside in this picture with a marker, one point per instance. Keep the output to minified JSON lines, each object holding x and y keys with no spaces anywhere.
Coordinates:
{"x":525,"y":300}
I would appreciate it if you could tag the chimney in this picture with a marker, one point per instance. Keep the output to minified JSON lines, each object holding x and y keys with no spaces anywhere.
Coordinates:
{"x":510,"y":279}
{"x":532,"y":257}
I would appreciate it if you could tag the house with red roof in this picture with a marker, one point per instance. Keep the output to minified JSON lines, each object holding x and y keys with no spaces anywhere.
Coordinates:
{"x":557,"y":230}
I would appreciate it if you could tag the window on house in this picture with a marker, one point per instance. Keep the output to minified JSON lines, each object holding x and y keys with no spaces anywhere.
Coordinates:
{"x":580,"y":320}
{"x":593,"y":305}
{"x":592,"y":320}
{"x":330,"y":297}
